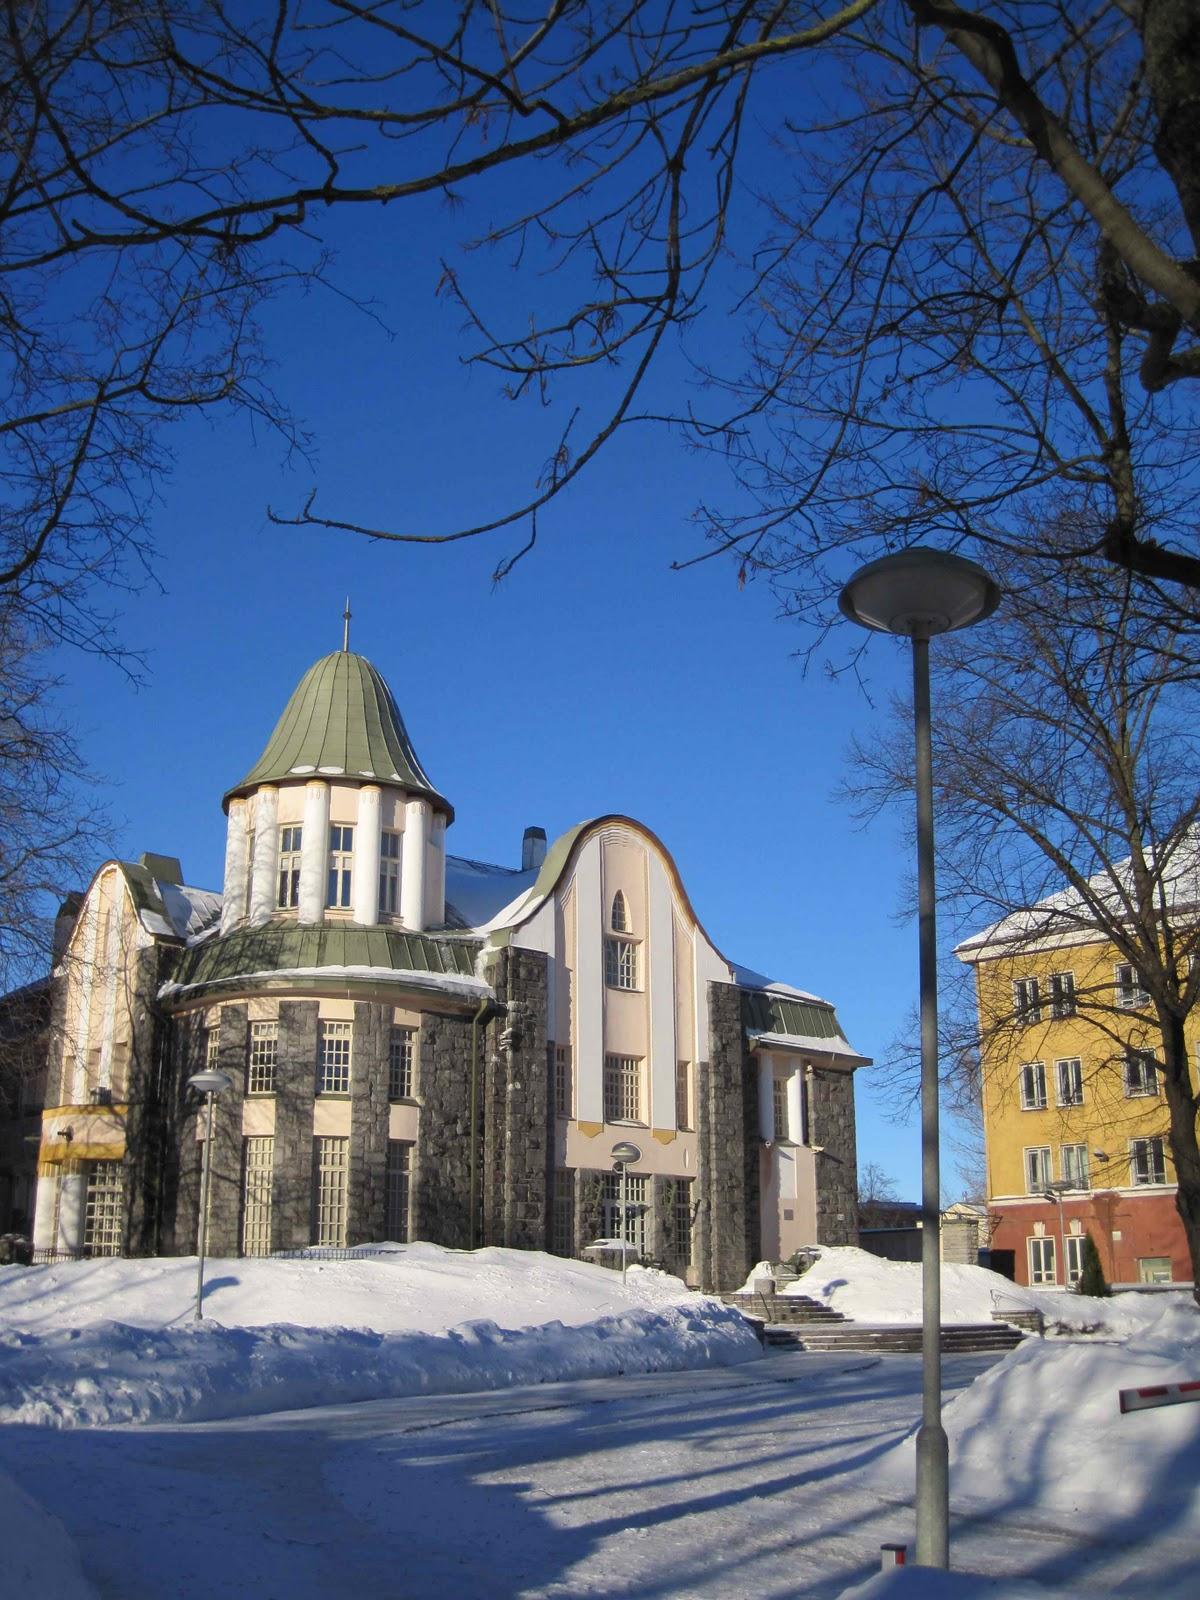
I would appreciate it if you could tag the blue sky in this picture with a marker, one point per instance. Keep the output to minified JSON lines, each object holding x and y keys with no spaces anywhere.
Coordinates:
{"x":593,"y":679}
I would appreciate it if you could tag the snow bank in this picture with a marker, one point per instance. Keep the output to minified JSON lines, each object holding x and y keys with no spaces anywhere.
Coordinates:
{"x":929,"y":1583}
{"x":40,"y":1557}
{"x":1040,"y":1433}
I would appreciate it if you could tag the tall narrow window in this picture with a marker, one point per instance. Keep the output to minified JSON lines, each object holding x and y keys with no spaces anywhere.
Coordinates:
{"x":619,"y":921}
{"x":399,"y":1180}
{"x":104,"y":1209}
{"x":1033,"y":1086}
{"x":1075,"y":1165}
{"x":683,"y":1094}
{"x":1128,"y":985}
{"x":290,"y":842}
{"x":1041,"y":1261}
{"x":623,"y":1089}
{"x":1070,"y":1081}
{"x":562,"y":1222}
{"x":258,"y":1162}
{"x":1026,"y":1000}
{"x":1139,"y":1074}
{"x":248,"y":890}
{"x":636,"y":1211}
{"x":620,"y":964}
{"x":389,"y":873}
{"x":330,"y":1220}
{"x":341,"y":865}
{"x":1037,"y":1169}
{"x":1062,"y":994}
{"x":264,"y":1050}
{"x":1074,"y":1258}
{"x":400,"y":1064}
{"x":1146,"y":1161}
{"x":212,"y":1047}
{"x":333,"y":1075}
{"x":681,"y":1226}
{"x":564,"y":1085}
{"x":779,"y":1107}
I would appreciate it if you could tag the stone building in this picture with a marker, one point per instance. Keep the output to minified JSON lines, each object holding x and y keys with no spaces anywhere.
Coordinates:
{"x":422,"y":1045}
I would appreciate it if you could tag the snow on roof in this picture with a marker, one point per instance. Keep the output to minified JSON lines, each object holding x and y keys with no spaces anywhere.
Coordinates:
{"x":477,"y":891}
{"x":811,"y":1044}
{"x":411,"y":977}
{"x":190,"y":911}
{"x":747,"y":978}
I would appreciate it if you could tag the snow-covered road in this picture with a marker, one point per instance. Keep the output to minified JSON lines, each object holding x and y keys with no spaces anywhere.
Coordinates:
{"x":718,"y":1483}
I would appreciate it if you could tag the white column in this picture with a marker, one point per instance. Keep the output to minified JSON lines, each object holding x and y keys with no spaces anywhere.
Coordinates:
{"x":43,"y":1209}
{"x":795,"y":1106}
{"x":366,"y":857}
{"x":314,"y":854}
{"x":412,"y":864}
{"x":264,"y":889}
{"x":237,"y":866}
{"x":766,"y":1098}
{"x":72,"y":1199}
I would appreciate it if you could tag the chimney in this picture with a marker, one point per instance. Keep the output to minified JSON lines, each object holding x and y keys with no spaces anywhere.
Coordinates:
{"x":533,"y":849}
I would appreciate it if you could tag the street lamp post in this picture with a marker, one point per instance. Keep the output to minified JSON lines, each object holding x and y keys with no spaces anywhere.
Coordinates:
{"x":624,"y":1156}
{"x":1054,"y":1192}
{"x":918,"y":593}
{"x":210,"y":1084}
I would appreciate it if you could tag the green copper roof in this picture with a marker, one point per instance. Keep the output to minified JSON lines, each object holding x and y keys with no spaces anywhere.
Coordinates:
{"x":764,"y":1012}
{"x":282,"y":947}
{"x":342,"y":721}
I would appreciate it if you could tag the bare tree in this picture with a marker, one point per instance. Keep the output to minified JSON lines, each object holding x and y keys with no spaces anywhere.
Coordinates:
{"x":876,"y":1185}
{"x":1068,"y":809}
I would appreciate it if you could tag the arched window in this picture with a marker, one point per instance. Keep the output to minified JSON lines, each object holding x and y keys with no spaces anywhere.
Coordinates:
{"x":620,"y":915}
{"x":620,"y":948}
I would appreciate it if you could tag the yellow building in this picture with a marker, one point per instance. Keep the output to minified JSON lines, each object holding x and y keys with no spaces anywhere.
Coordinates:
{"x":1075,"y":1121}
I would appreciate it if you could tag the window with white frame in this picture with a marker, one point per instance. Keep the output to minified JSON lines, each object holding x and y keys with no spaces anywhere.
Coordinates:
{"x":1033,"y":1086}
{"x":1062,"y":994}
{"x":619,"y":919}
{"x":399,"y":1190}
{"x":1069,"y":1081}
{"x":104,"y":1208}
{"x":623,"y":1089}
{"x":1037,"y":1169}
{"x":1026,"y":1000}
{"x":263,"y":1055}
{"x":1074,"y":1243}
{"x":681,"y":1225}
{"x":258,"y":1165}
{"x":401,"y":1052}
{"x":564,"y":1081}
{"x":1147,"y":1163}
{"x":291,"y":840}
{"x":389,"y":873}
{"x":212,"y":1047}
{"x":1041,"y":1261}
{"x":341,"y":866}
{"x":637,"y":1211}
{"x":329,"y":1223}
{"x":779,"y":1107}
{"x":683,"y":1094}
{"x":1128,"y":986}
{"x":1074,"y":1161}
{"x":1140,"y":1077}
{"x":620,"y":963}
{"x":562,"y":1219}
{"x":333,"y":1065}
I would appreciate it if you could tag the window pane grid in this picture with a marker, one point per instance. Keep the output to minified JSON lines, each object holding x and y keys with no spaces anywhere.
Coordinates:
{"x":335,"y":1058}
{"x":779,"y":1107}
{"x":399,"y":1177}
{"x":212,"y":1047}
{"x":104,"y":1208}
{"x":1147,"y":1164}
{"x":1041,"y":1261}
{"x":681,"y":1220}
{"x":564,"y":1097}
{"x":636,"y":1219}
{"x":400,"y":1064}
{"x":1033,"y":1086}
{"x":1070,"y":1081}
{"x":341,"y":865}
{"x":622,"y":1089}
{"x":620,"y":964}
{"x":332,"y":1160}
{"x":562,"y":1221}
{"x":290,"y":841}
{"x":1075,"y":1165}
{"x":1062,"y":994}
{"x":1074,"y":1258}
{"x":389,"y":873}
{"x":1037,"y":1169}
{"x":264,"y":1048}
{"x":1026,"y":1000}
{"x":1140,"y":1077}
{"x":257,"y":1184}
{"x":1130,"y":994}
{"x":683,"y":1094}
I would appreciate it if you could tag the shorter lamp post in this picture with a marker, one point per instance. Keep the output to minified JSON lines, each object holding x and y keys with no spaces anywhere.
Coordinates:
{"x":1054,"y":1192}
{"x":918,"y":593}
{"x":624,"y":1156}
{"x":210,"y":1084}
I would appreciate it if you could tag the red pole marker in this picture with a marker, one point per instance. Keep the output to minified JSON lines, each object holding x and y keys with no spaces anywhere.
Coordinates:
{"x":892,"y":1555}
{"x":1159,"y":1394}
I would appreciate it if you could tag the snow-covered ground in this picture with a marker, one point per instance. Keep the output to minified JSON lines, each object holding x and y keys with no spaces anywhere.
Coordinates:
{"x":1039,"y":1450}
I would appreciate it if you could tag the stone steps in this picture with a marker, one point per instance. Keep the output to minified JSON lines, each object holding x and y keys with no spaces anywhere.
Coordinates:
{"x":891,"y":1338}
{"x":786,"y":1309}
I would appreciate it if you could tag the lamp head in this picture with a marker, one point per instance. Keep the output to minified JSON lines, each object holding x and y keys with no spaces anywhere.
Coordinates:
{"x":626,"y":1153}
{"x":919,"y":592}
{"x":210,"y":1082}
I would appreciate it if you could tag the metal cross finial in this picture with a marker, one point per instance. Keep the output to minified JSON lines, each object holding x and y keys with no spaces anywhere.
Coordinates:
{"x":346,"y":625}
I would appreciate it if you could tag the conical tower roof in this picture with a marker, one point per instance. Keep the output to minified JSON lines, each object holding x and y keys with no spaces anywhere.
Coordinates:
{"x":342,"y":722}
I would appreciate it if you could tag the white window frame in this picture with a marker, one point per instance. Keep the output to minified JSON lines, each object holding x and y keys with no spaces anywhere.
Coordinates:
{"x":618,"y":918}
{"x":1074,"y":1251}
{"x":779,"y":1108}
{"x":332,"y":1166}
{"x":624,"y":1089}
{"x":620,"y":962}
{"x":1062,"y":995}
{"x":258,"y":1182}
{"x":637,"y":1216}
{"x":262,"y":1057}
{"x":291,"y":839}
{"x":564,"y":1082}
{"x":1068,"y":1081}
{"x":1040,"y":1154}
{"x":334,"y":1048}
{"x":683,"y":1094}
{"x":1130,"y":995}
{"x":212,"y":1047}
{"x":1033,"y":1086}
{"x":339,"y":881}
{"x":1043,"y":1260}
{"x":389,"y":872}
{"x":104,"y":1208}
{"x":1078,"y":1175}
{"x":1027,"y":1000}
{"x":402,"y":1059}
{"x":1139,"y":1076}
{"x":1147,"y":1162}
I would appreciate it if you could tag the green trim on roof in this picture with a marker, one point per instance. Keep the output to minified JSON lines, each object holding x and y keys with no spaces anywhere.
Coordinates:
{"x":342,"y":721}
{"x":763,"y":1012}
{"x":283,"y":947}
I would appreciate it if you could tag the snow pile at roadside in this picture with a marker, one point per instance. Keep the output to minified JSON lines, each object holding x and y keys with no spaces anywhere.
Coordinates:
{"x":1040,"y":1433}
{"x":868,"y":1289}
{"x":40,"y":1557}
{"x":274,"y":1336}
{"x":930,"y":1583}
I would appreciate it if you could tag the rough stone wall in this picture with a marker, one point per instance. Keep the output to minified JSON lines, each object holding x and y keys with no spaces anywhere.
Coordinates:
{"x":152,"y":1120}
{"x":727,"y":1107}
{"x":295,"y":1091}
{"x":225,"y":1180}
{"x":521,"y":1099}
{"x":366,"y":1199}
{"x":440,"y":1191}
{"x":831,"y":1124}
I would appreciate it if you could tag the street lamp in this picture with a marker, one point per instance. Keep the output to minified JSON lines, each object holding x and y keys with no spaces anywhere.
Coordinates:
{"x":210,"y":1084}
{"x":624,"y":1156}
{"x":1054,"y":1192}
{"x":918,"y":593}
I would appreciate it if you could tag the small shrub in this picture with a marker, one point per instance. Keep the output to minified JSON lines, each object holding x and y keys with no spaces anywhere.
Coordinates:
{"x":1092,"y":1280}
